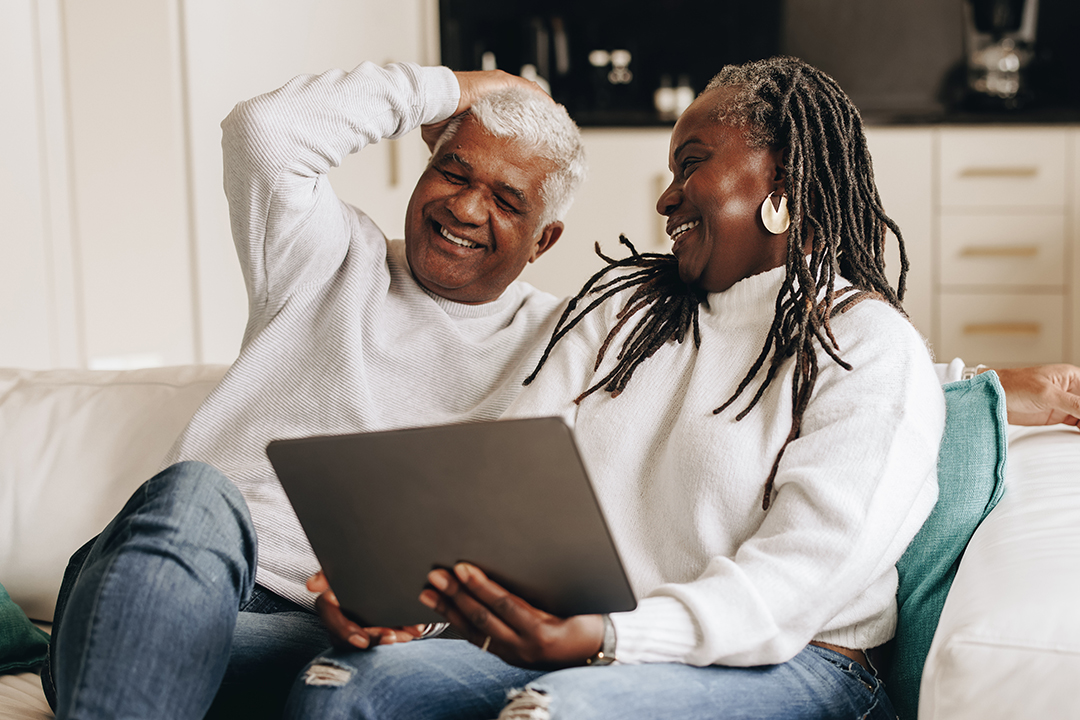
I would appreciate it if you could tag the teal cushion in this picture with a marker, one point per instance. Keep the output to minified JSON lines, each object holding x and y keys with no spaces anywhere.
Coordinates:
{"x":971,"y":472}
{"x":22,"y":646}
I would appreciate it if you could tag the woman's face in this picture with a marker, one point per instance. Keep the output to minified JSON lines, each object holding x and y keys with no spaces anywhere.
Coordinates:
{"x":714,"y":200}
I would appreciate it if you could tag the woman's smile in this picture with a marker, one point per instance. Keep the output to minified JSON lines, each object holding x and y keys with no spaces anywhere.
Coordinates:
{"x":719,"y":182}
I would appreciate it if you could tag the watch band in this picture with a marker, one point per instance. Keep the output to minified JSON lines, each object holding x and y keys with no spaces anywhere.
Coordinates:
{"x":606,"y":654}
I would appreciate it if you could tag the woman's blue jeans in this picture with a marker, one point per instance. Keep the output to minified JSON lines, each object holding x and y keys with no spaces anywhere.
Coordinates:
{"x":452,"y":680}
{"x":160,"y":617}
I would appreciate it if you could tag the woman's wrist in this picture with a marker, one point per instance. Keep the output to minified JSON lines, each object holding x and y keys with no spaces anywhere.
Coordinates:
{"x":606,"y":654}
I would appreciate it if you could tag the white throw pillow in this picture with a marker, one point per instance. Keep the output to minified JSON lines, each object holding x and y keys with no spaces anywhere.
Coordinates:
{"x":74,"y":445}
{"x":1008,"y":643}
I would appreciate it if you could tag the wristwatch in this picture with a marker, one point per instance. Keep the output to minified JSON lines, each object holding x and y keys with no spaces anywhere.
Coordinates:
{"x":606,"y":654}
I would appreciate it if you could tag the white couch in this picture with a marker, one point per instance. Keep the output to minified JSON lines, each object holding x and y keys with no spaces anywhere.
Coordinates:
{"x":74,"y":444}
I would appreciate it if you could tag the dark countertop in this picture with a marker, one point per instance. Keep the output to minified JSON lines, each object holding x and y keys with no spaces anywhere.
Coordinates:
{"x":1031,"y":115}
{"x":1026,"y":116}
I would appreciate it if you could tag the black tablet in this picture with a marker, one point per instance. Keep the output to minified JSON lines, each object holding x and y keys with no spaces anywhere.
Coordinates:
{"x":512,"y":497}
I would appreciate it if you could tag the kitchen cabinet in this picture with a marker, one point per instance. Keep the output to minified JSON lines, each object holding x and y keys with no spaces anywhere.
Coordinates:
{"x":1003,"y":217}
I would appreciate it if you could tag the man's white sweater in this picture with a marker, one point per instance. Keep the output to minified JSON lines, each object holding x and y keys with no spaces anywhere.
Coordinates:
{"x":340,"y":338}
{"x":718,"y":579}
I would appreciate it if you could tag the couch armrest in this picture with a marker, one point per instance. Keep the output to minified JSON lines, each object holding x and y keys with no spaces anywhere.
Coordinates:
{"x":74,"y":444}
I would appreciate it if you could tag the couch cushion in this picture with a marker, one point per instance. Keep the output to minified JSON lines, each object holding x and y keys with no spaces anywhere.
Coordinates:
{"x":21,"y":698}
{"x":22,"y":646}
{"x":971,"y":473}
{"x":74,"y":444}
{"x":1008,"y":643}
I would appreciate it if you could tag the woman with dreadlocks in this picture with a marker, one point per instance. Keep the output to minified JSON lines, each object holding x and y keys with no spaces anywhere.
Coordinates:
{"x":761,"y":424}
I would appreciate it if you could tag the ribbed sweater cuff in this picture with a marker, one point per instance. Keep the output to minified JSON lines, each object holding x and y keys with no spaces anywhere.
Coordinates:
{"x":441,"y":91}
{"x":661,"y":629}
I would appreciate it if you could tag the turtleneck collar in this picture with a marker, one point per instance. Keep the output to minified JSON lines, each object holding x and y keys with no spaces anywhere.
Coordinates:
{"x":753,"y":299}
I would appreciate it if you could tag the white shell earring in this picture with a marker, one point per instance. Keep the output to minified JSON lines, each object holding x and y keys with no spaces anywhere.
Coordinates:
{"x":776,"y":220}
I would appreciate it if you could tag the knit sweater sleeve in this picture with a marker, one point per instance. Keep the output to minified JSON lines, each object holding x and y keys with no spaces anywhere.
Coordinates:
{"x":851,"y":492}
{"x":289,"y":227}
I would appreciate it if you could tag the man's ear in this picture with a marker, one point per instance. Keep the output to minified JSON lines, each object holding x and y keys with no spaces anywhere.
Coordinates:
{"x":548,"y":237}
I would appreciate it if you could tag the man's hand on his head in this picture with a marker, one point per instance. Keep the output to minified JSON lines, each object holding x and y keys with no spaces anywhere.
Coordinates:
{"x":476,"y":84}
{"x":473,"y":85}
{"x":1043,"y":395}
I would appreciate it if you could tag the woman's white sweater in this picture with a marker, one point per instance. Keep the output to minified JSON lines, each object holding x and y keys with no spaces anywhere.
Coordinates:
{"x":718,"y":579}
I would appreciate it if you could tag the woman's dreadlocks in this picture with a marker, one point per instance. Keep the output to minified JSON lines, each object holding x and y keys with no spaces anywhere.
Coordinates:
{"x":832,"y":198}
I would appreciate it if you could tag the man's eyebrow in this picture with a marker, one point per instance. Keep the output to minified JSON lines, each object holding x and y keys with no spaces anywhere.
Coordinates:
{"x":519,"y":194}
{"x":454,"y":157}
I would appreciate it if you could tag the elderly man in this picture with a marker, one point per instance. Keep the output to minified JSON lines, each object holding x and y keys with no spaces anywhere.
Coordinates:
{"x":194,"y":595}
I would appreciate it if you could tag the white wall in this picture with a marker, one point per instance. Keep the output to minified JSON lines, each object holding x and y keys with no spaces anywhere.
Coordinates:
{"x":115,"y":246}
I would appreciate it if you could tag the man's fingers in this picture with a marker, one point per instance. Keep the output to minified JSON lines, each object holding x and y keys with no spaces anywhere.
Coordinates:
{"x":1067,"y":404}
{"x":476,"y":84}
{"x":473,"y":85}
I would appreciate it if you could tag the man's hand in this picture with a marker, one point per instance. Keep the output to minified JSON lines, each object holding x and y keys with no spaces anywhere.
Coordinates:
{"x":1043,"y":395}
{"x":474,"y":85}
{"x":346,"y":634}
{"x":506,"y":625}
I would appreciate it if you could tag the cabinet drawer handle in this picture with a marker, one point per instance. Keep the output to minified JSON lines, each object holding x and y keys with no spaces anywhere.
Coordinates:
{"x":1000,"y":251}
{"x":1000,"y":171}
{"x":1004,"y":328}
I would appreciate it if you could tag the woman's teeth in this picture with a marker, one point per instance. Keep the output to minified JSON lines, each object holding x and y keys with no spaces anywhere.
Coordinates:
{"x":455,"y":239}
{"x":683,"y":228}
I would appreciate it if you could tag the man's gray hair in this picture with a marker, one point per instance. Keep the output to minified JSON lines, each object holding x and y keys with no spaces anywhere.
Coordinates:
{"x":542,"y":125}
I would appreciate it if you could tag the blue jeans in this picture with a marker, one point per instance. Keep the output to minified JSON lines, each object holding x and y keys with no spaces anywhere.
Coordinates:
{"x":453,"y":680}
{"x":160,"y":617}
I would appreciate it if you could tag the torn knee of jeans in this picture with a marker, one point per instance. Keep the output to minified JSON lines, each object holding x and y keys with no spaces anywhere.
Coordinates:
{"x":328,"y":673}
{"x":527,"y":704}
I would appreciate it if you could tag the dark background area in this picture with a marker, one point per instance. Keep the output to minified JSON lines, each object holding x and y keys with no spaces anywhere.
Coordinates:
{"x":899,"y":60}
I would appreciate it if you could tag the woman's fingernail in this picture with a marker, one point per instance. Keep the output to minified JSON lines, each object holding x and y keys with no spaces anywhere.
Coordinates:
{"x":429,"y":598}
{"x":359,"y":641}
{"x":438,"y":579}
{"x":463,"y":572}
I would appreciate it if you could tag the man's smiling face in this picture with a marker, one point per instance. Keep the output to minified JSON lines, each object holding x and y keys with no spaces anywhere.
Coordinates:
{"x":473,"y":221}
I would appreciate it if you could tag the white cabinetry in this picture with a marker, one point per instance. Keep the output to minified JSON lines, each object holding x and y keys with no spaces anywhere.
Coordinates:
{"x":903,"y":168}
{"x":1003,"y":250}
